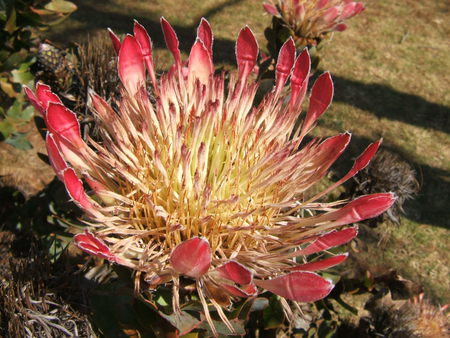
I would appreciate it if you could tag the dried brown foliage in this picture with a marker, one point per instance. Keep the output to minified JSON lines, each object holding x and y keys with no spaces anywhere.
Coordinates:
{"x":97,"y":69}
{"x":29,"y":307}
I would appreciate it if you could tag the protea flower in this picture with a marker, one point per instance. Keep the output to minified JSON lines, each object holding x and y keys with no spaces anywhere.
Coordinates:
{"x":308,"y":22}
{"x":198,"y":183}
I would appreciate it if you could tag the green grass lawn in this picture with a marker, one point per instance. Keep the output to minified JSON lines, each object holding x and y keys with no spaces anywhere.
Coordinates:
{"x":389,"y":70}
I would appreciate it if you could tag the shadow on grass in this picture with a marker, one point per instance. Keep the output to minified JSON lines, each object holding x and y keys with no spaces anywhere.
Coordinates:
{"x":91,"y":16}
{"x":430,"y":206}
{"x":389,"y":103}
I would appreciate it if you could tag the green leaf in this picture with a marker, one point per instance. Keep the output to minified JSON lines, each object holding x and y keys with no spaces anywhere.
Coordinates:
{"x":333,"y":277}
{"x":117,"y":313}
{"x":273,"y":315}
{"x":112,"y":309}
{"x":24,"y":66}
{"x":7,"y":87}
{"x":6,"y":128}
{"x":184,"y":322}
{"x":193,"y":306}
{"x":61,"y":6}
{"x":164,"y":298}
{"x":10,"y":25}
{"x":223,"y":330}
{"x":346,"y":306}
{"x":259,"y":304}
{"x":149,"y":319}
{"x":3,"y":55}
{"x":56,"y":245}
{"x":22,"y":76}
{"x":40,"y":11}
{"x":266,"y":85}
{"x":19,"y":141}
{"x":14,"y":109}
{"x":15,"y":59}
{"x":312,"y":332}
{"x":250,"y":305}
{"x":33,"y":19}
{"x":192,"y":335}
{"x":25,"y":35}
{"x":327,"y":329}
{"x":368,"y":281}
{"x":27,"y":114}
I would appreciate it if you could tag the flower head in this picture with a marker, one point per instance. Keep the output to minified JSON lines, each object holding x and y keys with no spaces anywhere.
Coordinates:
{"x":195,"y":181}
{"x":310,"y":20}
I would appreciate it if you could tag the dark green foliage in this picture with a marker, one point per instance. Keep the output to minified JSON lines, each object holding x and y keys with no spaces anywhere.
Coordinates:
{"x":20,"y":22}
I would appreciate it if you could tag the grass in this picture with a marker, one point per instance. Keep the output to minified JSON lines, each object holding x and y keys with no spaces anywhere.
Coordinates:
{"x":388,"y":69}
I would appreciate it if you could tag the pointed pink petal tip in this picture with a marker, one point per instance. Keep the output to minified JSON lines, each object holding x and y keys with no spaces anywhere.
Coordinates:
{"x":192,"y":258}
{"x":300,"y":78}
{"x":322,"y":3}
{"x":321,"y":93}
{"x":145,"y":43}
{"x":235,"y":272}
{"x":300,"y":286}
{"x":322,"y":264}
{"x":285,"y":62}
{"x":115,"y":40}
{"x":364,"y":207}
{"x":142,"y":37}
{"x":76,"y":191}
{"x":92,"y":245}
{"x":63,"y":122}
{"x":330,"y":240}
{"x":200,"y":63}
{"x":131,"y":65}
{"x":320,"y":99}
{"x":351,"y":9}
{"x":331,"y":14}
{"x":45,"y":95}
{"x":271,"y":9}
{"x":171,"y":40}
{"x":364,"y":159}
{"x":302,"y":67}
{"x":204,"y":33}
{"x":335,"y":145}
{"x":33,"y":100}
{"x":56,"y":160}
{"x":246,"y":52}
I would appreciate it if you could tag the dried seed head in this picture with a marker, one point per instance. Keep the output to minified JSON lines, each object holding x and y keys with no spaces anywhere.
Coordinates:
{"x":387,"y":172}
